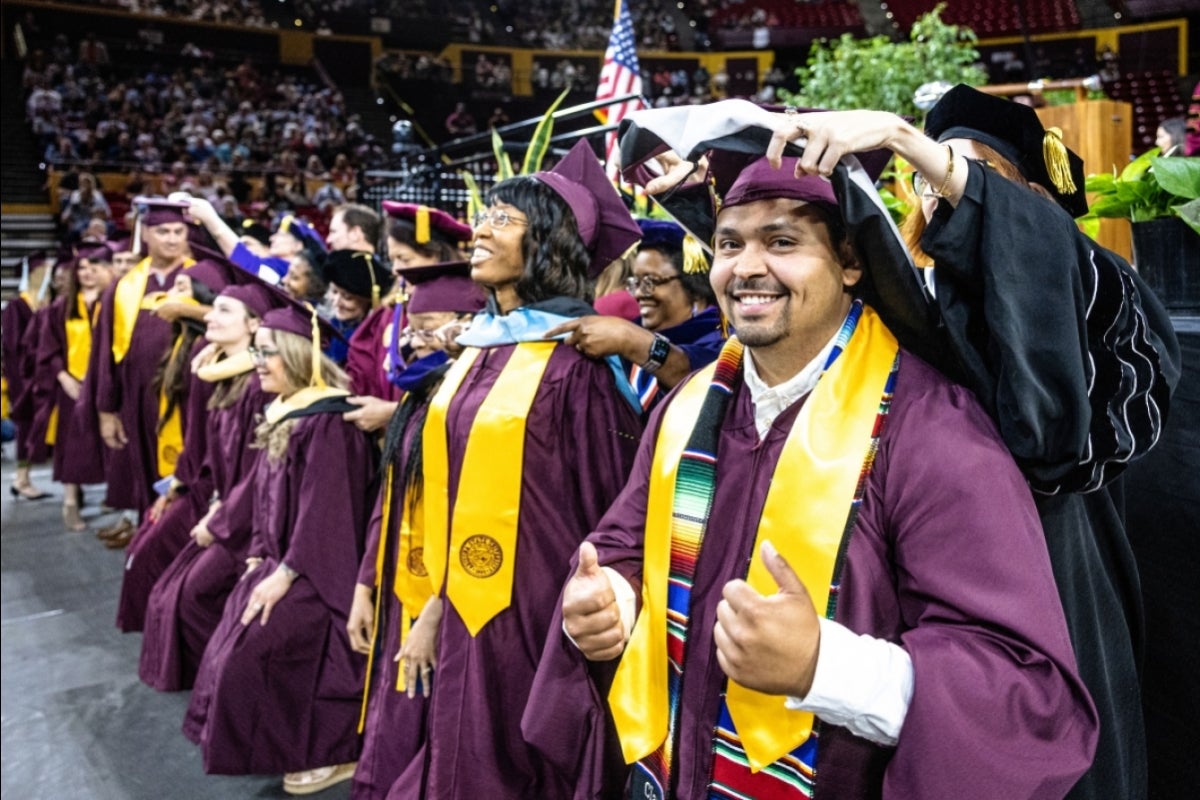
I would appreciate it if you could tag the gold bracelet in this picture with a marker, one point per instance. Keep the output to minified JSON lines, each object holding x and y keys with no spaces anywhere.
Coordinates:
{"x":941,"y":192}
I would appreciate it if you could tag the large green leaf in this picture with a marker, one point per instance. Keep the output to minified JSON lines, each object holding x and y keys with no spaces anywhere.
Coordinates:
{"x":1135,"y":169}
{"x":503,"y":162}
{"x":540,"y":142}
{"x":1179,"y":176}
{"x":474,"y":196}
{"x":1189,"y":212}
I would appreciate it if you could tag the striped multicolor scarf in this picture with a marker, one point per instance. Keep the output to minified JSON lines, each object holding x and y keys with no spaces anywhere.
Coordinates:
{"x":793,"y":774}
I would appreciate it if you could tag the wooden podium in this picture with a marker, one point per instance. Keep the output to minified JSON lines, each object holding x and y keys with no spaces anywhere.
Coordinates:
{"x":1100,"y":132}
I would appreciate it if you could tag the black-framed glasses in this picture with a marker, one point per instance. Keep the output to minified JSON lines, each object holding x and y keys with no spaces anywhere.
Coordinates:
{"x":497,"y":217}
{"x":259,"y":355}
{"x":646,"y":284}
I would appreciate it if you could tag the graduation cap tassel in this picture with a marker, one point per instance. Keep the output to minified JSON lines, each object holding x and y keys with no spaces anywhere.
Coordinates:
{"x":317,"y":378}
{"x":694,"y":260}
{"x":421,"y":223}
{"x":1058,"y":165}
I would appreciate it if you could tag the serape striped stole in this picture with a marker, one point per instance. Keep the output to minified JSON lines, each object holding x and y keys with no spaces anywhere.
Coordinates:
{"x":761,"y":748}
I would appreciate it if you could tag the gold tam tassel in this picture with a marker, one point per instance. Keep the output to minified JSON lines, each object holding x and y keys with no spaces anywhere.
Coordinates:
{"x":1058,"y":164}
{"x":422,"y":225}
{"x":694,"y":260}
{"x":317,"y":378}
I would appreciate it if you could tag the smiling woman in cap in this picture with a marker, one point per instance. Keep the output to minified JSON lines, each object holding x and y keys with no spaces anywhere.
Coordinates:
{"x":1061,"y":341}
{"x":681,"y":327}
{"x":358,"y":283}
{"x":186,"y":601}
{"x":525,"y":444}
{"x":312,"y":482}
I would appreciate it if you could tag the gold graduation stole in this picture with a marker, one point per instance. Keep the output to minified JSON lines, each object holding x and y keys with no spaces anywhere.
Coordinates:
{"x":804,"y":517}
{"x":127,"y":304}
{"x":300,"y":400}
{"x":79,"y":337}
{"x":226,"y":368}
{"x":477,"y":565}
{"x":170,"y":428}
{"x":79,"y":348}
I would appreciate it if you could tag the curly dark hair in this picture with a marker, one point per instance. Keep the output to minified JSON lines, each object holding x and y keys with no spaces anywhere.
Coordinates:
{"x":556,"y":259}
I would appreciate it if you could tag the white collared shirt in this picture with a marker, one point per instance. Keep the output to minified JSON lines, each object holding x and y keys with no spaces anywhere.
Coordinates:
{"x":861,"y":683}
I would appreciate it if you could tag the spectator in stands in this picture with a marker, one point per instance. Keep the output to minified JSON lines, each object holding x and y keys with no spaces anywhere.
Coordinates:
{"x":461,"y":122}
{"x":82,"y":204}
{"x":327,"y":196}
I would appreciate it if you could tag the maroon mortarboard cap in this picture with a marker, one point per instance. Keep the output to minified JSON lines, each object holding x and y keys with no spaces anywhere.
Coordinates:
{"x":258,"y":298}
{"x":358,"y":272}
{"x":428,"y":221}
{"x":121,"y":244}
{"x":95,"y":252}
{"x":605,"y":225}
{"x":215,"y":275}
{"x":160,"y":211}
{"x":297,"y":318}
{"x":443,"y":287}
{"x":738,"y":179}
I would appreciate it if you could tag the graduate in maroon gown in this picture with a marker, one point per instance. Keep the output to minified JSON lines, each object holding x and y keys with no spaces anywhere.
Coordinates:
{"x":187,"y":483}
{"x":186,"y":602}
{"x":63,"y":353}
{"x":525,"y":444}
{"x":279,"y":687}
{"x":37,"y":433}
{"x":417,"y":236}
{"x":395,"y":614}
{"x":18,"y":366}
{"x":127,"y":349}
{"x":802,"y":581}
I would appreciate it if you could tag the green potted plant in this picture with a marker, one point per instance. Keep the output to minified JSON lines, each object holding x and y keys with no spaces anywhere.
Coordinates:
{"x":1160,"y":197}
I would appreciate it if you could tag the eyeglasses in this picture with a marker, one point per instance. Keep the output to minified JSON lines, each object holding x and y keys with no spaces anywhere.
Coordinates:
{"x":259,"y":355}
{"x":428,"y":335}
{"x":646,"y":284}
{"x":498,"y":218}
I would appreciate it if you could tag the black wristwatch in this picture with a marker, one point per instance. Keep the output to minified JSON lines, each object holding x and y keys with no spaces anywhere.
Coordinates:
{"x":660,"y":348}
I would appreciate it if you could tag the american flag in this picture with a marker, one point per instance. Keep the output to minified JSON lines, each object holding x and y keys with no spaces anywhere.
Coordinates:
{"x":619,"y":76}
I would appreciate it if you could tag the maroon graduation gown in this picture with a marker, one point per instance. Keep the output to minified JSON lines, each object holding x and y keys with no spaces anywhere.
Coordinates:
{"x":186,"y":602}
{"x":34,"y":432}
{"x":285,"y":696}
{"x":18,"y":366}
{"x":75,"y":453}
{"x":156,"y":543}
{"x":124,"y":389}
{"x":365,"y":355}
{"x":394,"y":729}
{"x":946,"y":559}
{"x":580,"y":438}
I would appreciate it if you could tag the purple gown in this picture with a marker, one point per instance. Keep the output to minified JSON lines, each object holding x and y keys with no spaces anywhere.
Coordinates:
{"x":156,"y":543}
{"x":18,"y":366}
{"x":124,"y":389}
{"x":285,"y":696}
{"x":365,"y":355}
{"x":186,"y":602}
{"x":34,"y":432}
{"x":394,"y":729}
{"x":580,"y":439}
{"x":947,"y":559}
{"x":75,"y":451}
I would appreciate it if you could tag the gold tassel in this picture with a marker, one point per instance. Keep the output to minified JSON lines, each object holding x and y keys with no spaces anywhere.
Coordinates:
{"x":694,"y":260}
{"x":422,"y":225}
{"x":317,"y":378}
{"x":285,"y":223}
{"x":1058,"y":163}
{"x":371,"y":274}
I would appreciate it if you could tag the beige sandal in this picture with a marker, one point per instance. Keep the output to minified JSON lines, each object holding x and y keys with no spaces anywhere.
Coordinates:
{"x":311,"y":781}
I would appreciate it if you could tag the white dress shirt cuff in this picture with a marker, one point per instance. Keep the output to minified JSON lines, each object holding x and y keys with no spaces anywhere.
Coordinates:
{"x":861,"y":683}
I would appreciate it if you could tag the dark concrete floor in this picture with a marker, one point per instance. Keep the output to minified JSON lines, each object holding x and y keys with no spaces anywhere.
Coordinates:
{"x":77,"y":724}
